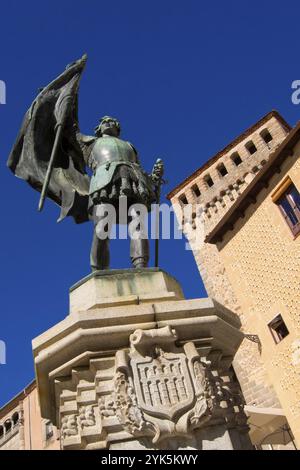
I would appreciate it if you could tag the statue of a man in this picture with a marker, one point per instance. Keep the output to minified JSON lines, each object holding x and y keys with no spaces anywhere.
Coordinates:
{"x":52,"y":156}
{"x":117,"y":173}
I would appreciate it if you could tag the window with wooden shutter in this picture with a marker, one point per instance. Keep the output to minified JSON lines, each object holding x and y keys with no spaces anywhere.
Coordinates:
{"x":289,"y":205}
{"x":278,"y":329}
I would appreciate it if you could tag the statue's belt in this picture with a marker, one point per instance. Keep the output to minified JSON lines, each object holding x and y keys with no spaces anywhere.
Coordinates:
{"x":105,"y":171}
{"x":116,"y":162}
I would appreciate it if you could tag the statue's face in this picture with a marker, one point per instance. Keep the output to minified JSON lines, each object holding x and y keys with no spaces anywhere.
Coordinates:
{"x":109,"y":127}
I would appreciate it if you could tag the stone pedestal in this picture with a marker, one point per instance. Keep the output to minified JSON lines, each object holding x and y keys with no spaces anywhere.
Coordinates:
{"x":136,"y":366}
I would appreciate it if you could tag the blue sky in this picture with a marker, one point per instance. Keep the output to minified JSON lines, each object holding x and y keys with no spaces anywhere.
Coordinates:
{"x":184,"y":78}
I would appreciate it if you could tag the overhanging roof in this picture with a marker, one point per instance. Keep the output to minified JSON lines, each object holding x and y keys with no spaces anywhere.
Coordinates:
{"x":268,"y":426}
{"x":13,"y":403}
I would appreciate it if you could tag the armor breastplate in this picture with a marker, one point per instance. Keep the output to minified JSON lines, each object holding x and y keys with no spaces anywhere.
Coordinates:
{"x":111,"y":149}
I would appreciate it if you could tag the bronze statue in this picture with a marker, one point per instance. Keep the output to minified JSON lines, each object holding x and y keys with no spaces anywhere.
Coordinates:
{"x":52,"y":155}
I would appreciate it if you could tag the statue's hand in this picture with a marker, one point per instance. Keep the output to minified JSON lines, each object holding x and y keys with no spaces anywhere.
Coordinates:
{"x":157,"y":171}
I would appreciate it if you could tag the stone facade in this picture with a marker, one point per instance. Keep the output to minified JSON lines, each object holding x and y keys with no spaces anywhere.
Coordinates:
{"x":256,"y":266}
{"x":136,"y":366}
{"x":262,"y":256}
{"x":21,"y":424}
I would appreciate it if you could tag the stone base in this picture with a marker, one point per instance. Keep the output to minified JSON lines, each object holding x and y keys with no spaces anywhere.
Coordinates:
{"x":135,"y":365}
{"x":216,"y":437}
{"x":123,"y":287}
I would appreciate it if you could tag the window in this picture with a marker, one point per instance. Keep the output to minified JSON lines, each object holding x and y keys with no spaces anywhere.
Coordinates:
{"x":265,"y":134}
{"x":183,"y":200}
{"x":15,"y":418}
{"x":208,"y":181}
{"x":289,"y":205}
{"x":49,"y":430}
{"x":278,"y":329}
{"x":222,"y":169}
{"x":196,"y":190}
{"x":251,"y":147}
{"x":236,"y":159}
{"x":7,"y":426}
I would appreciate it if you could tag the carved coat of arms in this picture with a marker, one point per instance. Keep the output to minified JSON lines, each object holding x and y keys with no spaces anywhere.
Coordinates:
{"x":160,"y":390}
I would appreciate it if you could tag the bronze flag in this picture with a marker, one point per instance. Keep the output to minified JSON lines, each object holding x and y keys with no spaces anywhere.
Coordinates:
{"x":29,"y":158}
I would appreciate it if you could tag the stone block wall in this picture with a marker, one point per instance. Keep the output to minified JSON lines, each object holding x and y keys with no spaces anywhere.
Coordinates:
{"x":208,"y":208}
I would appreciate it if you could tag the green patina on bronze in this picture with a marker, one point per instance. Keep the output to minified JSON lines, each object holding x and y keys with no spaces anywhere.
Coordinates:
{"x":52,"y":155}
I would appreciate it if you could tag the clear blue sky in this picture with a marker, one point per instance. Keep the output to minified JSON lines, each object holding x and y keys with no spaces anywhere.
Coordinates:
{"x":184,"y":78}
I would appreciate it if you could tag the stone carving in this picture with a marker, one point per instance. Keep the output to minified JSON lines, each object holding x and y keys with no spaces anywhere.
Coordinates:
{"x":87,"y":416}
{"x":109,"y":405}
{"x":124,"y":402}
{"x":127,"y":409}
{"x":203,"y":393}
{"x":69,"y":426}
{"x":160,"y":390}
{"x":106,"y":407}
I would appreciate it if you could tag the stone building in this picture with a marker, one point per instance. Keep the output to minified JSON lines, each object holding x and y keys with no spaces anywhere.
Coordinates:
{"x":242,"y":225}
{"x":21,"y":424}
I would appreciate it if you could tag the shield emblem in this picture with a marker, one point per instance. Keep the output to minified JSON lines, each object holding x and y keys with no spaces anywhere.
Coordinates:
{"x":163,"y":384}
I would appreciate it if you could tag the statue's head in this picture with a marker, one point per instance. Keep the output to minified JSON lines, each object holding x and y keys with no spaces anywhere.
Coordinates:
{"x":109,"y":126}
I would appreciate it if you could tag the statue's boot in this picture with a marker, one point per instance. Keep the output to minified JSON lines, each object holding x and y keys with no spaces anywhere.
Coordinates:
{"x":140,"y":263}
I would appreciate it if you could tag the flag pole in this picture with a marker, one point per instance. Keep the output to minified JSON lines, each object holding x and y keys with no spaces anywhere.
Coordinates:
{"x":57,"y":141}
{"x":158,"y":187}
{"x":158,"y":181}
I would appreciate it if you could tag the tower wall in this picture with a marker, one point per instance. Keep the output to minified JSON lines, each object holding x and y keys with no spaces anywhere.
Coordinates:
{"x":208,"y":208}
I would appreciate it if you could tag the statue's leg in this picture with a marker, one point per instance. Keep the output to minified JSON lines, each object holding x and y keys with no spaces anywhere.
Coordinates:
{"x":139,"y":248}
{"x":139,"y":253}
{"x":99,"y":257}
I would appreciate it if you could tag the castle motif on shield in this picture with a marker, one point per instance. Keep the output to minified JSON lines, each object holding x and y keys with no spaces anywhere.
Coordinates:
{"x":160,"y":390}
